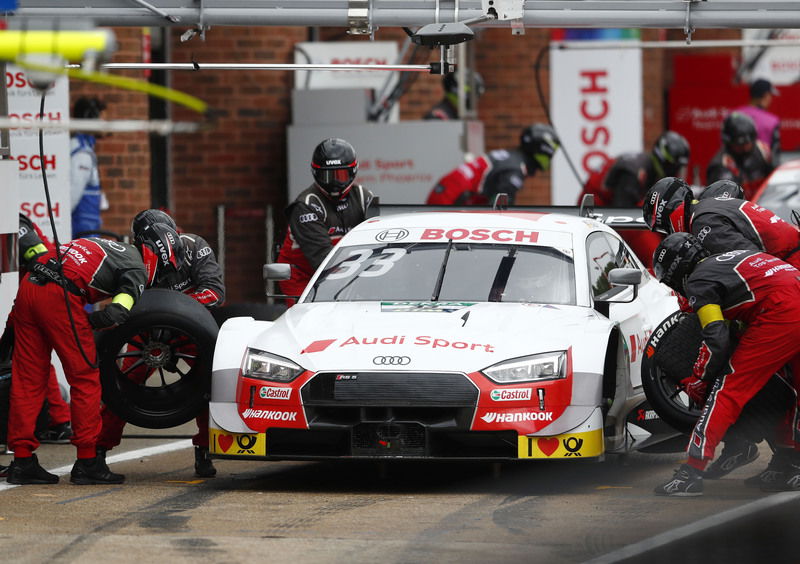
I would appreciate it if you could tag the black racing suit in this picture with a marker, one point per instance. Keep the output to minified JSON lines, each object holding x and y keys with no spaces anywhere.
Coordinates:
{"x":200,"y":276}
{"x":629,"y":178}
{"x":316,"y":223}
{"x":763,"y":292}
{"x":444,"y":111}
{"x":748,"y":170}
{"x":479,"y":180}
{"x":724,"y":224}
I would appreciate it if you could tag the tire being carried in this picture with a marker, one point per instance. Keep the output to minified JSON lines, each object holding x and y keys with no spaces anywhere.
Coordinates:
{"x":168,"y":342}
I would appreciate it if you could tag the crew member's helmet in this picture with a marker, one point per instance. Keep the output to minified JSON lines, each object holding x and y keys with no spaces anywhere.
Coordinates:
{"x":666,"y":198}
{"x":88,"y":108}
{"x":738,"y":133}
{"x":334,"y":166}
{"x":162,"y":251}
{"x":675,"y":258}
{"x":540,"y":143}
{"x":475,"y":87}
{"x":149,"y":217}
{"x":671,"y":150}
{"x":723,"y":189}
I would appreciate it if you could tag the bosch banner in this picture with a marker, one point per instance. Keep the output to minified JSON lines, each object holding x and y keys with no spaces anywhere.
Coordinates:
{"x":596,"y":104}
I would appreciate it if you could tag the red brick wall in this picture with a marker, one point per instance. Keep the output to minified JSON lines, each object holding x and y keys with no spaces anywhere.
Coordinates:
{"x":241,"y":162}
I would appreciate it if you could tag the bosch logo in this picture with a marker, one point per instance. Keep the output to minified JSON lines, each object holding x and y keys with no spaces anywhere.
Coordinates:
{"x":397,"y":234}
{"x":391,"y":360}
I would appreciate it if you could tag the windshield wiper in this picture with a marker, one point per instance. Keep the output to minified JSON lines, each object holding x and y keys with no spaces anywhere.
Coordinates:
{"x":440,"y":280}
{"x":502,"y":274}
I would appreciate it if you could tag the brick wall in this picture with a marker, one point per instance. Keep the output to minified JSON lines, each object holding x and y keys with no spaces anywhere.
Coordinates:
{"x":241,"y":161}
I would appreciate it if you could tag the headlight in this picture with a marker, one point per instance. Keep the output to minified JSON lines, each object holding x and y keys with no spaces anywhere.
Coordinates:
{"x":265,"y":366}
{"x":545,"y":366}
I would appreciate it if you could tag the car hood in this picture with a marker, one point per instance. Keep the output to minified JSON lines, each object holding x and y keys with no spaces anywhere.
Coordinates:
{"x":425,"y":336}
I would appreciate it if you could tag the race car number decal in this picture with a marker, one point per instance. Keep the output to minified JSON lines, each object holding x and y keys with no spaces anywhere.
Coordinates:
{"x":241,"y":444}
{"x":569,"y":445}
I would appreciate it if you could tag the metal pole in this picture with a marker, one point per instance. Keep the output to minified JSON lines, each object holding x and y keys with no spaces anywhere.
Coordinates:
{"x":269,"y":225}
{"x":264,"y":66}
{"x":5,"y":143}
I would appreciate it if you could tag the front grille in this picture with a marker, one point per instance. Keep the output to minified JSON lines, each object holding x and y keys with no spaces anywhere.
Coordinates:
{"x":390,"y":389}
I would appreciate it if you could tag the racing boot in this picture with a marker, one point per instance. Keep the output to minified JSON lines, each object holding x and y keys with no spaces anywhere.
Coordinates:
{"x":3,"y":471}
{"x":686,"y":482}
{"x":789,"y":478}
{"x":203,"y":467}
{"x":774,"y":474}
{"x":93,"y":471}
{"x":736,"y":453}
{"x":28,"y":471}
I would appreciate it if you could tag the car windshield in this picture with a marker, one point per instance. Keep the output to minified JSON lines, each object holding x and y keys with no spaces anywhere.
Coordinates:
{"x":447,"y":272}
{"x":781,"y":198}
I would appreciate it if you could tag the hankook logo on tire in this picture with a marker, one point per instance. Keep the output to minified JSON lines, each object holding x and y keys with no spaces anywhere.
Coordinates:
{"x":391,"y":360}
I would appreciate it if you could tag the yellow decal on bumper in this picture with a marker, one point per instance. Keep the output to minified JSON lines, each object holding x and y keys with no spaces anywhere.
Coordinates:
{"x":569,"y":445}
{"x":241,"y":444}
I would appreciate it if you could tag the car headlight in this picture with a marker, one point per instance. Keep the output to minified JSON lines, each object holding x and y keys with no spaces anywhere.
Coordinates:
{"x":545,"y":366}
{"x":266,"y":366}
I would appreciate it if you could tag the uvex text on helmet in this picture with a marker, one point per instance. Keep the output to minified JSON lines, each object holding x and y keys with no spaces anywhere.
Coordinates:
{"x":162,"y":251}
{"x":672,"y":151}
{"x":738,"y":132}
{"x":539,"y":142}
{"x":723,"y":189}
{"x":675,"y":258}
{"x":149,"y":217}
{"x":334,"y":167}
{"x":662,"y":200}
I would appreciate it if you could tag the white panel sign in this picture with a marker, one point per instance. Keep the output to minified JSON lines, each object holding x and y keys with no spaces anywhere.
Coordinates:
{"x":596,"y":104}
{"x":779,"y":65}
{"x":23,"y":105}
{"x":340,"y":52}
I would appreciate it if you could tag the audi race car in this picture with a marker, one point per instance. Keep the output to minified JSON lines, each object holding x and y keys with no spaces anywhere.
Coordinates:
{"x":445,"y":335}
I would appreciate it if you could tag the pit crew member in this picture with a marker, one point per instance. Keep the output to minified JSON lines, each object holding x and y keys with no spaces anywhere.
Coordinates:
{"x":199,"y":276}
{"x":742,"y":158}
{"x":447,"y":108}
{"x":322,"y":213}
{"x":752,"y":287}
{"x":478,"y":181}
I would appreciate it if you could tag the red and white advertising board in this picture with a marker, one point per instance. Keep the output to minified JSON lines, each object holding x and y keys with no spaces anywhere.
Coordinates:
{"x":24,"y":105}
{"x":596,"y":106}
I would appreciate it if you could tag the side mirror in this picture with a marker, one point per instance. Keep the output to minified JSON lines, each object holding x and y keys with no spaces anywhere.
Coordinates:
{"x":277,"y":271}
{"x":620,"y":279}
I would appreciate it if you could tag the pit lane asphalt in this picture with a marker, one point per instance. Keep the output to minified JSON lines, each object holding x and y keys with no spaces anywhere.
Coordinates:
{"x":297,"y":512}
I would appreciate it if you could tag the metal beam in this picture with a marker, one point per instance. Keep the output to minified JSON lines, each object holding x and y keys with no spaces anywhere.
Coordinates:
{"x":735,"y":14}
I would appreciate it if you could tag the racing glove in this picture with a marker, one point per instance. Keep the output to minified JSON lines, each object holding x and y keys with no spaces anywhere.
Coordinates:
{"x":111,"y":316}
{"x":696,"y":389}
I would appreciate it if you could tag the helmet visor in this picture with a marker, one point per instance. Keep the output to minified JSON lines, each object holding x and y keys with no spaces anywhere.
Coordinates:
{"x":334,"y":180}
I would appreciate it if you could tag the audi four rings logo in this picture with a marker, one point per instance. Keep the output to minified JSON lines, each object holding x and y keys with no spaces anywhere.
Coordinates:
{"x":391,"y":360}
{"x":396,"y":234}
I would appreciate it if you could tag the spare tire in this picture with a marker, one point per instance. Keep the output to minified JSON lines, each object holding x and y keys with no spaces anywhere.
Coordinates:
{"x":669,"y":356}
{"x":156,"y":368}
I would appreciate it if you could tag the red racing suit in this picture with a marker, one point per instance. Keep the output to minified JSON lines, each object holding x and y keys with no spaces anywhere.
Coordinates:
{"x":763,"y":292}
{"x":92,"y":270}
{"x":748,"y":171}
{"x":316,"y":223}
{"x":479,"y":180}
{"x":723,"y":224}
{"x":200,"y":277}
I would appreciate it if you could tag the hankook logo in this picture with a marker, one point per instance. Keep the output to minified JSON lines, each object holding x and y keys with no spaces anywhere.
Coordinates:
{"x":397,"y":234}
{"x":391,"y":360}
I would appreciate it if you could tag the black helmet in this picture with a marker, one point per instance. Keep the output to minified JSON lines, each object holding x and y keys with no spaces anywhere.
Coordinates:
{"x":675,"y":258}
{"x":473,"y":79}
{"x":334,"y":166}
{"x":738,"y":132}
{"x":162,"y":251}
{"x":88,"y":108}
{"x":662,"y":200}
{"x":539,"y":142}
{"x":672,"y":152}
{"x":723,"y":189}
{"x":149,"y":217}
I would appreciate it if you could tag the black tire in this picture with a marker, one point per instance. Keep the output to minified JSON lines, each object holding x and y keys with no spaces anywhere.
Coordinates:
{"x":669,"y":356}
{"x":258,"y":311}
{"x":174,"y":336}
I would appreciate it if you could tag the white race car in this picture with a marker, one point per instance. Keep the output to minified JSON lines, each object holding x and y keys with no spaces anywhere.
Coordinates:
{"x":446,"y":335}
